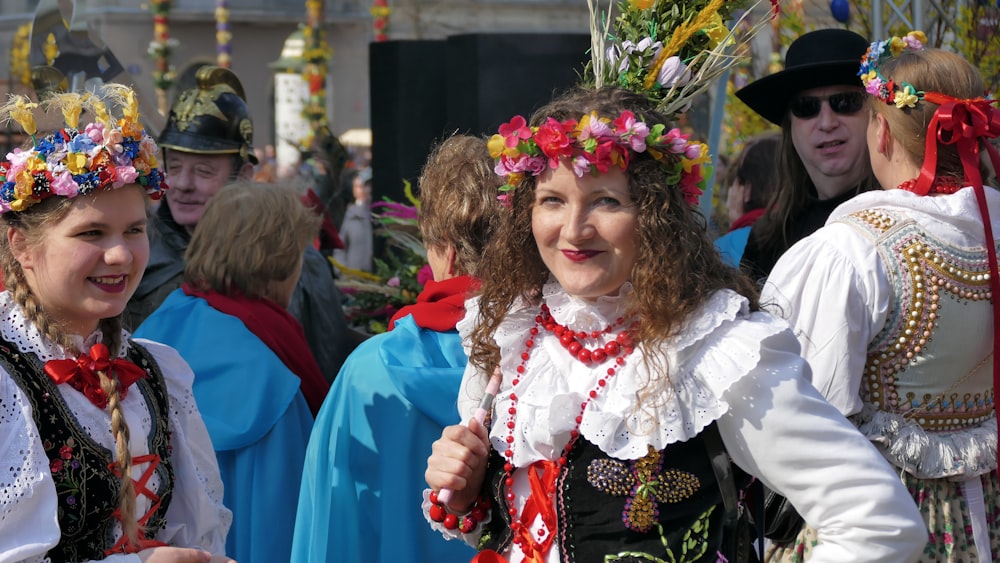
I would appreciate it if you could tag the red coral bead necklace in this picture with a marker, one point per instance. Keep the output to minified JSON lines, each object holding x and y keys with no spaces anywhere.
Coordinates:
{"x":616,"y":350}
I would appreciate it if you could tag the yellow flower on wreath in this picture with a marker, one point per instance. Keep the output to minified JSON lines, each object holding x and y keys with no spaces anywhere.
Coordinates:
{"x":642,"y":4}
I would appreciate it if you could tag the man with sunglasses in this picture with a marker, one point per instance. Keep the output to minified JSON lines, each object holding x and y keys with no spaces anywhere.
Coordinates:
{"x":818,"y":101}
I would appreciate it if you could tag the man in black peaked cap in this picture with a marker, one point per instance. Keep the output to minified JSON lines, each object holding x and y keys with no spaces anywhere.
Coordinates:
{"x":208,"y":143}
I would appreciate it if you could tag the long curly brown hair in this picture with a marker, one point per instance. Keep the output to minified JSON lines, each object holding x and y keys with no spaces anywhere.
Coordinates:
{"x":678,"y":267}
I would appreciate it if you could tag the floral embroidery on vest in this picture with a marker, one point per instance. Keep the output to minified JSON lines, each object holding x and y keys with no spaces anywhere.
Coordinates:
{"x":86,"y":485}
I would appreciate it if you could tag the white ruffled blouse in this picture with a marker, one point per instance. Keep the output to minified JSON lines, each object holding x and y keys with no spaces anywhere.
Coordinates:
{"x":28,"y":521}
{"x":729,"y":365}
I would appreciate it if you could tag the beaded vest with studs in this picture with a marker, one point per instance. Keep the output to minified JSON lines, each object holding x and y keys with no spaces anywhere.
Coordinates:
{"x":941,"y":295}
{"x":83,"y":471}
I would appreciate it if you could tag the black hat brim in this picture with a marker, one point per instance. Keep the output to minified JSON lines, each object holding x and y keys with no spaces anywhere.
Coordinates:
{"x":769,"y":96}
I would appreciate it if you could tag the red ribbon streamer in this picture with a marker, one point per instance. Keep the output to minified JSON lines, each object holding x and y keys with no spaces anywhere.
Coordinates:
{"x":964,"y":123}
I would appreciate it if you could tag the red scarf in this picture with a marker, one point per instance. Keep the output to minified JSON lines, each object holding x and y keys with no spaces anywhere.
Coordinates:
{"x":747,"y":218}
{"x":440,"y":305}
{"x":280,"y":331}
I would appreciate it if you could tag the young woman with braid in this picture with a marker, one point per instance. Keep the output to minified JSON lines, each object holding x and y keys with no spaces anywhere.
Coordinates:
{"x":109,"y":458}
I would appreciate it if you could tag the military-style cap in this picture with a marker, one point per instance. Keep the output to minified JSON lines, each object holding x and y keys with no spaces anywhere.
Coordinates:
{"x":212,"y":118}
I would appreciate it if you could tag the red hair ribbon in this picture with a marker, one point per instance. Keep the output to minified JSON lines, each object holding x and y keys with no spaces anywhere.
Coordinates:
{"x":81,"y":373}
{"x":962,"y":123}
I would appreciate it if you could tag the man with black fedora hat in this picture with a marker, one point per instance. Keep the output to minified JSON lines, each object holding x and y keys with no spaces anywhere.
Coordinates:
{"x":818,"y":101}
{"x":207,"y":143}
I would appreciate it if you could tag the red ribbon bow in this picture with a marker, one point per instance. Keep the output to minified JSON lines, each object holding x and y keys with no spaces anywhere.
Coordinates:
{"x":81,"y":373}
{"x":962,"y":123}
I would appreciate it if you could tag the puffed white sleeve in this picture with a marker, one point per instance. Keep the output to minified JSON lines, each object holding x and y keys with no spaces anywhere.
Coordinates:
{"x":835,"y":297}
{"x":779,"y":428}
{"x":196,"y":516}
{"x":28,"y":521}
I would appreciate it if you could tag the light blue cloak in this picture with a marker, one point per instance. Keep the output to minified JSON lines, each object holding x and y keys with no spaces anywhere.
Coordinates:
{"x":258,"y":420}
{"x":364,"y":471}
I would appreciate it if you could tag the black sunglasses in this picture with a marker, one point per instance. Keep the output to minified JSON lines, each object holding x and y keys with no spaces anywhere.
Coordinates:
{"x":844,"y":103}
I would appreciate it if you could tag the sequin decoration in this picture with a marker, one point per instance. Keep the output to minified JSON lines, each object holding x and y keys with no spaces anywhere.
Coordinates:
{"x":644,"y":484}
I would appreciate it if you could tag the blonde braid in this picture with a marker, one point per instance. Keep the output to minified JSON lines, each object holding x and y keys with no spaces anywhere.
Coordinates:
{"x":126,"y":493}
{"x":111,"y":329}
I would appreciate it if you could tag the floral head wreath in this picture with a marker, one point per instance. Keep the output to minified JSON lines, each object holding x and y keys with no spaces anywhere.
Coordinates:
{"x":106,"y":154}
{"x":903,"y":94}
{"x":595,"y":144}
{"x":668,"y":51}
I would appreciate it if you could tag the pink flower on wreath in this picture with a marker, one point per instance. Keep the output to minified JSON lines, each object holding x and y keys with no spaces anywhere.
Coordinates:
{"x":592,"y":127}
{"x":125,"y":175}
{"x":874,"y":86}
{"x":95,"y":131}
{"x":64,"y":185}
{"x":580,"y":165}
{"x":515,"y":131}
{"x":632,"y":131}
{"x":678,"y":142}
{"x":553,"y":140}
{"x":18,"y":160}
{"x":393,"y":281}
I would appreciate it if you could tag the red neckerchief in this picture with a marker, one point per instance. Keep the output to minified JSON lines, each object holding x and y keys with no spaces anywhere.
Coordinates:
{"x":280,"y":331}
{"x":81,"y":373}
{"x":440,"y":305}
{"x":747,"y":218}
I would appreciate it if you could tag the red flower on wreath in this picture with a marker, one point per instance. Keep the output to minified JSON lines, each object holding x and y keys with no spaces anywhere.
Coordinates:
{"x":553,"y":141}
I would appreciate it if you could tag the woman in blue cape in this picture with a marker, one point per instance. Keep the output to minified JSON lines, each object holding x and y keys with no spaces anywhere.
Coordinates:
{"x":398,"y":389}
{"x":255,"y":378}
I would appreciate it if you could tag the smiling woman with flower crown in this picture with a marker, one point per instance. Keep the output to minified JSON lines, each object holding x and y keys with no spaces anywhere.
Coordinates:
{"x":629,"y":356}
{"x":108,"y":458}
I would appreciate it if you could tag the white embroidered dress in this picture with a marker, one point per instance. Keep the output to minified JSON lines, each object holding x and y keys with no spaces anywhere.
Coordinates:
{"x":739,"y":368}
{"x":28,"y":520}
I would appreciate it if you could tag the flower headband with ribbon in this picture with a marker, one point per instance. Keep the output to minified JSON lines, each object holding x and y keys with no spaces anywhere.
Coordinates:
{"x":106,"y":154}
{"x":594,"y":144}
{"x":903,"y":94}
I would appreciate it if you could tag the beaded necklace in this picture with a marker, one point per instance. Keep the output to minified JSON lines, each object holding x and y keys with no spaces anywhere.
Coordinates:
{"x":618,"y":349}
{"x":941,"y":185}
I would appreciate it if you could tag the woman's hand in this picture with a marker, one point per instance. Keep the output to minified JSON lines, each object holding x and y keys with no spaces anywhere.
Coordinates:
{"x":458,"y":462}
{"x":177,"y":555}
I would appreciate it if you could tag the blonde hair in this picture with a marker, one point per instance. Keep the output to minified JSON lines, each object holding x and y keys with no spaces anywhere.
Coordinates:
{"x":458,"y":190}
{"x":33,"y":224}
{"x":251,"y":234}
{"x":929,"y":70}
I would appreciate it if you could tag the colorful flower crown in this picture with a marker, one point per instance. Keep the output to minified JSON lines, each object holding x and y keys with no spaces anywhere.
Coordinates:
{"x":903,"y":94}
{"x":595,"y":144}
{"x":107,"y":154}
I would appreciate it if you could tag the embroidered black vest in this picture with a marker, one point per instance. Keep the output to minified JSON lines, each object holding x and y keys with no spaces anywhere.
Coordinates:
{"x":665,"y":506}
{"x":86,"y":486}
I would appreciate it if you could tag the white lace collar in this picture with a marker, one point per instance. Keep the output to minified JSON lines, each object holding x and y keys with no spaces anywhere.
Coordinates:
{"x":17,"y":329}
{"x":717,"y":348}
